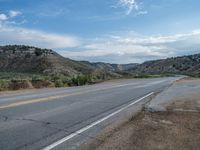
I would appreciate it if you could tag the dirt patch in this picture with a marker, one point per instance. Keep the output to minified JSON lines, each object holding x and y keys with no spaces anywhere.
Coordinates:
{"x":188,"y":79}
{"x":42,"y":84}
{"x":189,"y":105}
{"x":171,"y":129}
{"x":21,"y":84}
{"x":14,"y":85}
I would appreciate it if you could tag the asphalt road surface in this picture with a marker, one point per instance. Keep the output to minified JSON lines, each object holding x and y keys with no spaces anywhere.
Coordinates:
{"x":47,"y":118}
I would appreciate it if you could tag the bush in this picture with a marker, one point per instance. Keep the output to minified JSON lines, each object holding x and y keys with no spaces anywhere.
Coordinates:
{"x":38,"y":52}
{"x":19,"y":84}
{"x":81,"y":80}
{"x":59,"y":83}
{"x":4,"y":85}
{"x":42,"y":83}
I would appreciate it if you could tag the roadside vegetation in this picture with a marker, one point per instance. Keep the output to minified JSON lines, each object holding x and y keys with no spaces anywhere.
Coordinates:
{"x":145,"y":75}
{"x":194,"y":75}
{"x":16,"y":81}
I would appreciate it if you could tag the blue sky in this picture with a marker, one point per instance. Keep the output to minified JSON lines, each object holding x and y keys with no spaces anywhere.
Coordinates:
{"x":115,"y":31}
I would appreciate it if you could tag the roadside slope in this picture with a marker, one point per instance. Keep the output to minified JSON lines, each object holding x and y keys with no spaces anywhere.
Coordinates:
{"x":170,"y":121}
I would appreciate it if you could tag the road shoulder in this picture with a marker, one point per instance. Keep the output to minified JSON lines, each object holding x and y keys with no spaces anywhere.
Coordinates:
{"x":169,"y":121}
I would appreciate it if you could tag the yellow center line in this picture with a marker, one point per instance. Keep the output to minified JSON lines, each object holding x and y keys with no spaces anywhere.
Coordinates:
{"x":38,"y":100}
{"x":25,"y":102}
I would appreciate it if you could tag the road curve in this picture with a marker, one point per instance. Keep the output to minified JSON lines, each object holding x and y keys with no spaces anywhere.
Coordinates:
{"x":43,"y":118}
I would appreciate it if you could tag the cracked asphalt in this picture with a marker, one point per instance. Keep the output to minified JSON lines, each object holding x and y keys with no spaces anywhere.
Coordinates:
{"x":36,"y":119}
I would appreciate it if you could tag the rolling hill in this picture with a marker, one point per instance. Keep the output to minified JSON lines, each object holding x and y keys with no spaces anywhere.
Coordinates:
{"x":24,"y":67}
{"x":27,"y":59}
{"x":188,"y":65}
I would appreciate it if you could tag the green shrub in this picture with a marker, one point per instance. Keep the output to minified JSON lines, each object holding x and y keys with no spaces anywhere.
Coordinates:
{"x":4,"y":85}
{"x":81,"y":80}
{"x":38,"y":52}
{"x":59,"y":83}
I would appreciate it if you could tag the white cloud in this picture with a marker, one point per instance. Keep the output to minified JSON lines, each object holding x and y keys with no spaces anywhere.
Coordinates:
{"x":137,"y":48}
{"x":10,"y":34}
{"x":14,"y":35}
{"x":114,"y":48}
{"x":13,"y":13}
{"x":125,"y":53}
{"x":16,"y":22}
{"x":9,"y":18}
{"x":3,"y":17}
{"x":142,"y":13}
{"x":130,"y":5}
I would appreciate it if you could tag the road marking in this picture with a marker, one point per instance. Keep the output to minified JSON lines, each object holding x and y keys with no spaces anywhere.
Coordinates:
{"x":93,"y":124}
{"x":31,"y":101}
{"x":37,"y":100}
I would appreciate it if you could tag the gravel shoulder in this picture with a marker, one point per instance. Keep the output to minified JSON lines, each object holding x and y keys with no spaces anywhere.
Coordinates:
{"x":169,"y":121}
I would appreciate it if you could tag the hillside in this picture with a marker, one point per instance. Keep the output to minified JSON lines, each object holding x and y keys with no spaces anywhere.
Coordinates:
{"x":189,"y":65}
{"x":111,"y":67}
{"x":27,"y":59}
{"x":23,"y":67}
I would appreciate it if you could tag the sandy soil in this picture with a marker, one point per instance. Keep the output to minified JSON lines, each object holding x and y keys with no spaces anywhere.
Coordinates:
{"x":176,"y":128}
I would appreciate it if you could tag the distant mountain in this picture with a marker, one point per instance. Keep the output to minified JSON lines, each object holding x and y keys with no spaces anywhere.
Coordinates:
{"x":111,"y":67}
{"x":178,"y":65}
{"x":27,"y":59}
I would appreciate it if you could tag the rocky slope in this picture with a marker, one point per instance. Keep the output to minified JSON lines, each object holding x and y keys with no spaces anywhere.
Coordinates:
{"x":27,"y":59}
{"x":179,"y":65}
{"x":30,"y":59}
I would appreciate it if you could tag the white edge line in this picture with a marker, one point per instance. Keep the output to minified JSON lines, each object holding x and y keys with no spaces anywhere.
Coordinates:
{"x":93,"y":124}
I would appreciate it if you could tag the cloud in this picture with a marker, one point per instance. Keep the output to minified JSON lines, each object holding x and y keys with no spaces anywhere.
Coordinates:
{"x":116,"y":52}
{"x":14,"y":35}
{"x":142,"y":13}
{"x":9,"y":18}
{"x":137,"y":48}
{"x":11,"y":34}
{"x":3,"y":17}
{"x":127,"y":48}
{"x":13,"y":13}
{"x":16,"y":22}
{"x":130,"y":5}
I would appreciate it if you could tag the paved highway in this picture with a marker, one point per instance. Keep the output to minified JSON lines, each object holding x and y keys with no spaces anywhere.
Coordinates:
{"x":48,"y":118}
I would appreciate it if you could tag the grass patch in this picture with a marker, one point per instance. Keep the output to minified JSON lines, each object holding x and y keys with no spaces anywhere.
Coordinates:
{"x":153,"y":75}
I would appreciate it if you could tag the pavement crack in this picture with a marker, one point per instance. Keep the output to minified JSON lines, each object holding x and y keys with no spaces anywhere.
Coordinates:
{"x":4,"y":118}
{"x":35,"y":121}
